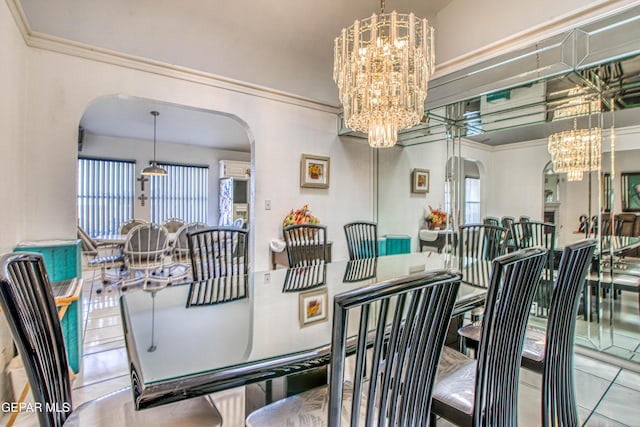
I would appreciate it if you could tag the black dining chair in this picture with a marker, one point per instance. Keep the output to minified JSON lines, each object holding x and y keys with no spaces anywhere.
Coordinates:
{"x":400,"y":327}
{"x":218,"y":251}
{"x":507,"y":222}
{"x":491,"y":220}
{"x":534,"y":233}
{"x":306,"y":244}
{"x":478,"y":246}
{"x":30,"y":310}
{"x":611,"y":227}
{"x":550,"y":353}
{"x":485,"y":392}
{"x":362,"y":239}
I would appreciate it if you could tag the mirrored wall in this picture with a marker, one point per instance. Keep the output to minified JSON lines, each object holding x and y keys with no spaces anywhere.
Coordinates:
{"x":498,"y":116}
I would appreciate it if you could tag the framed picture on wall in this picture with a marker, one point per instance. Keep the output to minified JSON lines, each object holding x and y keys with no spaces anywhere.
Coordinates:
{"x":314,"y":171}
{"x":313,"y":307}
{"x":420,"y":181}
{"x":631,"y":191}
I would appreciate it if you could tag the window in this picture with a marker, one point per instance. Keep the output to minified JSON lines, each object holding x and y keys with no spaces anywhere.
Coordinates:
{"x":183,"y":193}
{"x":471,"y":200}
{"x":106,"y":191}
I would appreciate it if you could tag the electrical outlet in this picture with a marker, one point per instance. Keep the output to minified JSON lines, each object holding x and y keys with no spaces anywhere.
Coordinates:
{"x":267,"y":278}
{"x":267,"y":205}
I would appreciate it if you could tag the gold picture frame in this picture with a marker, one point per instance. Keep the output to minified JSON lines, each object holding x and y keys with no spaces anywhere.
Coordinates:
{"x":420,"y":181}
{"x":314,"y":171}
{"x":313,"y":307}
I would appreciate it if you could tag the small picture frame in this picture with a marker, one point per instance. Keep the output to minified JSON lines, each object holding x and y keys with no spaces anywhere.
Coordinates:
{"x":420,"y":181}
{"x":313,"y":307}
{"x":631,"y":191}
{"x":314,"y":171}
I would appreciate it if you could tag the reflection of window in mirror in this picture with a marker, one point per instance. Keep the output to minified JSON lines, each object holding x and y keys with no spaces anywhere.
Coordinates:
{"x":551,"y":185}
{"x":471,"y":200}
{"x":470,"y":189}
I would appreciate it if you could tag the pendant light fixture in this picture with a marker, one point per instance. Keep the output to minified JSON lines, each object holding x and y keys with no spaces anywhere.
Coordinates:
{"x":154,"y":169}
{"x":382,"y":65}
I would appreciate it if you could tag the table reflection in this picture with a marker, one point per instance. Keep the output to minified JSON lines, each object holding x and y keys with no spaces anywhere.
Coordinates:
{"x":218,"y":290}
{"x":360,"y":269}
{"x":304,"y":278}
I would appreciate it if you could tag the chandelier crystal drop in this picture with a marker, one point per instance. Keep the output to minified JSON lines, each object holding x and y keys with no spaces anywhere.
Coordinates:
{"x":576,"y":151}
{"x":382,"y":65}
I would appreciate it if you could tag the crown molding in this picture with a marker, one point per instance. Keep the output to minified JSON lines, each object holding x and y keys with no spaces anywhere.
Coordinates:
{"x":532,"y":35}
{"x":64,"y":46}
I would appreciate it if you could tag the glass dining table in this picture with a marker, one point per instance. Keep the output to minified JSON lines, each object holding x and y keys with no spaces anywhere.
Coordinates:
{"x":194,"y":339}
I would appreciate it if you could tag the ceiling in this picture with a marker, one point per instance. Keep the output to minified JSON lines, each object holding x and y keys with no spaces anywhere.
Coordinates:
{"x":130,"y":118}
{"x":285,"y":45}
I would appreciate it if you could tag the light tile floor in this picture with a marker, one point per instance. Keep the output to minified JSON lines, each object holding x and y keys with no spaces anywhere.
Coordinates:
{"x":607,"y":395}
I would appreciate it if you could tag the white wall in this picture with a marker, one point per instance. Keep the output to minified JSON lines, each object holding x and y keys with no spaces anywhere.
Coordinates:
{"x":400,"y":210}
{"x":516,"y":180}
{"x":12,"y":123}
{"x":280,"y":131}
{"x":142,"y":152}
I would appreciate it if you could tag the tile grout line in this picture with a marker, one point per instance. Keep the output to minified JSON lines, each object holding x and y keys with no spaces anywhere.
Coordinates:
{"x":602,"y":398}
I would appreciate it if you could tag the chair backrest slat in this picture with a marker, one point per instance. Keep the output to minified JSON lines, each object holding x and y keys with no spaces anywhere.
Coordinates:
{"x":217,"y":252}
{"x":514,"y":280}
{"x":306,"y":244}
{"x":558,"y":387}
{"x":29,"y":306}
{"x":401,"y":326}
{"x":530,"y":234}
{"x":362,"y":239}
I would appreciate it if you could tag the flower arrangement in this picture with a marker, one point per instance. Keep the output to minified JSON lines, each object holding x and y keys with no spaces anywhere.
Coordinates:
{"x":300,"y":216}
{"x":436,"y":217}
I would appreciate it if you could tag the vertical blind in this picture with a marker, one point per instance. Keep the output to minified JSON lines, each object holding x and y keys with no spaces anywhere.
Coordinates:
{"x":106,"y":190}
{"x":183,"y":193}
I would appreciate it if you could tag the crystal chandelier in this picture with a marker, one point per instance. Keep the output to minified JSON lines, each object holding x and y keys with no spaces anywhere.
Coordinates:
{"x":382,"y":65}
{"x":578,"y":104}
{"x":576,"y":151}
